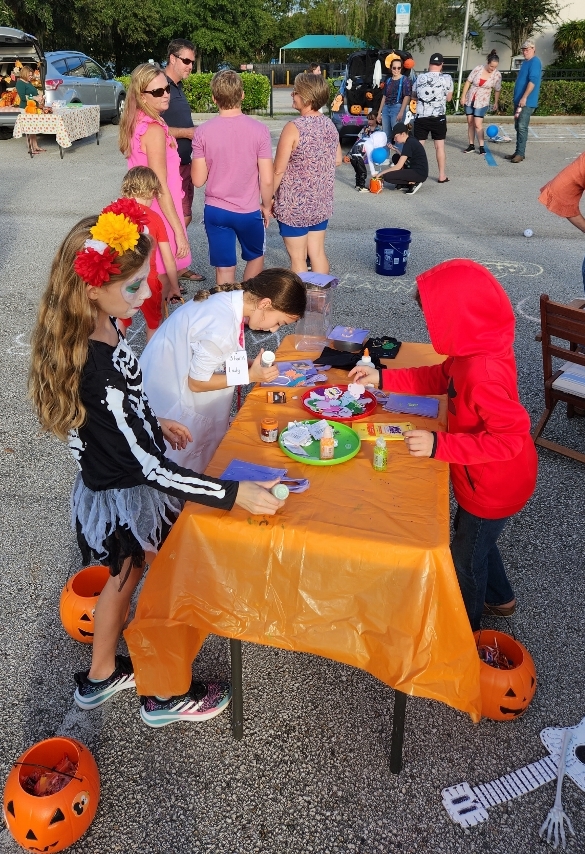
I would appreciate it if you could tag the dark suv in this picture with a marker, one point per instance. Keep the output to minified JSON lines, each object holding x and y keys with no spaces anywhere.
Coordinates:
{"x":359,"y":92}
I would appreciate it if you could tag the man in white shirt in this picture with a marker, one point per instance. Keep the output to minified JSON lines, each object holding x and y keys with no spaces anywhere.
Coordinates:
{"x":432,"y":90}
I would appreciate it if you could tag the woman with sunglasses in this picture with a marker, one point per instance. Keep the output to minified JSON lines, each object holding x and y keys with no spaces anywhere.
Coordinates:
{"x":397,"y":95}
{"x":145,"y":140}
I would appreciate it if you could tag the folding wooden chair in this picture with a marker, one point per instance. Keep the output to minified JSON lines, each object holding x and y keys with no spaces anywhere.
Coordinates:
{"x":567,"y":323}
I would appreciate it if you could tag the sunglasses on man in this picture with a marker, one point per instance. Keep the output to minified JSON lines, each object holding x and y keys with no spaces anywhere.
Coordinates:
{"x":183,"y":59}
{"x":158,"y":93}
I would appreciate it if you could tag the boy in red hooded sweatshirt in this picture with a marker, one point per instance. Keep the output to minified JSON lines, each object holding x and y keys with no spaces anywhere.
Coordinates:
{"x":492,"y":457}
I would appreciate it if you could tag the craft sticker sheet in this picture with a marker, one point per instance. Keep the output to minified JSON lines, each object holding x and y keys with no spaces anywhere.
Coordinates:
{"x":300,"y":372}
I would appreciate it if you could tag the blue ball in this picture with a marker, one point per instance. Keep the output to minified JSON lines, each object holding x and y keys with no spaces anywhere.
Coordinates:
{"x":379,"y":155}
{"x":491,"y":131}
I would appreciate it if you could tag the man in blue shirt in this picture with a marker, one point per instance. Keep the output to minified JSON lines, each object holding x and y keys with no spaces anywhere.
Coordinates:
{"x":180,"y":59}
{"x":526,"y":90}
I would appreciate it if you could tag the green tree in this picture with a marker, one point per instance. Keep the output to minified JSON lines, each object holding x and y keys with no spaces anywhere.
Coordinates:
{"x":373,"y":20}
{"x":517,"y":20}
{"x":569,"y":42}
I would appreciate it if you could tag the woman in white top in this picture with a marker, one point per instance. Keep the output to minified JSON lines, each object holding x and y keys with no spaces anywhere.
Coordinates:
{"x":184,"y":363}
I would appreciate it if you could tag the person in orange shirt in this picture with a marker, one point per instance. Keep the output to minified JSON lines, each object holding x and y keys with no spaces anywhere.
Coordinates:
{"x":562,"y":195}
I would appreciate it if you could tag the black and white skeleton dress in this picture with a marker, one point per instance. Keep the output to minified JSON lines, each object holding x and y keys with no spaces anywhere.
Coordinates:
{"x":127,"y":493}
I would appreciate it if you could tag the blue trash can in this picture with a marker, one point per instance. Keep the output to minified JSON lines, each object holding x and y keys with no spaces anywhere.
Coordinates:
{"x":392,"y":251}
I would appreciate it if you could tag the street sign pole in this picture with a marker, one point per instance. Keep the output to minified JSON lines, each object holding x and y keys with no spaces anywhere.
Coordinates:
{"x":402,"y":22}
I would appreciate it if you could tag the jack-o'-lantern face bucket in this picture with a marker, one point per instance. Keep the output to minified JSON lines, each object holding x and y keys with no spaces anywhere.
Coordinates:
{"x":505,"y":694}
{"x":78,"y":600}
{"x":51,"y":823}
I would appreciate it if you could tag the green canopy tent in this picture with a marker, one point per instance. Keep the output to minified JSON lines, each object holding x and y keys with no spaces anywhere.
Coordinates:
{"x":322,"y":43}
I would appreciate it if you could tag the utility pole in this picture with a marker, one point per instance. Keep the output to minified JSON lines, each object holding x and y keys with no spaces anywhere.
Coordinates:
{"x":462,"y":60}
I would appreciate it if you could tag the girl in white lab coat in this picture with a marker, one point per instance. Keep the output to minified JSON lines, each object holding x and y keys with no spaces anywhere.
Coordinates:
{"x":184,"y":363}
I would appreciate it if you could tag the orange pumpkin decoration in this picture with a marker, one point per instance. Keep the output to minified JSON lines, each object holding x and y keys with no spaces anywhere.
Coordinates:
{"x":355,"y":109}
{"x":78,"y":600}
{"x":408,"y":63}
{"x":376,"y":185}
{"x":369,"y":96}
{"x":53,"y":822}
{"x":390,"y":59}
{"x":505,"y":694}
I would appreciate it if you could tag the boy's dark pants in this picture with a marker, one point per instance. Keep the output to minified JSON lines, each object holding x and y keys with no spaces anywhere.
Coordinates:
{"x":359,"y":167}
{"x":478,"y":563}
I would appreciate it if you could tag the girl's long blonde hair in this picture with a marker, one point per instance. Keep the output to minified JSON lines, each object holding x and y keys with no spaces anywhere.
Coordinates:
{"x":60,"y":339}
{"x":141,"y":78}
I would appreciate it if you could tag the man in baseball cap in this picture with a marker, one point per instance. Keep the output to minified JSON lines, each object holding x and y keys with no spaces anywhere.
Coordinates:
{"x":432,"y":90}
{"x":526,"y":91}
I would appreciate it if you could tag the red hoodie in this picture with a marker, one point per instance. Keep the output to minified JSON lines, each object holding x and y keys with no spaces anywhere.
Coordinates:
{"x":488,"y":444}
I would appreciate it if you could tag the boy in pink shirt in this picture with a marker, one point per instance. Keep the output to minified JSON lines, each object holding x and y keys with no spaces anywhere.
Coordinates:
{"x":232,"y":157}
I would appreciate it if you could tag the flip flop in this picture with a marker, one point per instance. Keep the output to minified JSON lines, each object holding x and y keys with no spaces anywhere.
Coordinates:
{"x":191,"y":276}
{"x":443,"y":182}
{"x":175,"y":300}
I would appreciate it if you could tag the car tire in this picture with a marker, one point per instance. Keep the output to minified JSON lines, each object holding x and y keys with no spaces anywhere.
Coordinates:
{"x":119,"y":110}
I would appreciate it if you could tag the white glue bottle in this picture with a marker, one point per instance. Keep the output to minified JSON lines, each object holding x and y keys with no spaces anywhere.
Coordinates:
{"x":267,"y":359}
{"x":365,"y":361}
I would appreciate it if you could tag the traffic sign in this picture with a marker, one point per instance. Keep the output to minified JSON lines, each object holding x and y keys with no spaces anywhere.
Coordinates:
{"x":402,"y":15}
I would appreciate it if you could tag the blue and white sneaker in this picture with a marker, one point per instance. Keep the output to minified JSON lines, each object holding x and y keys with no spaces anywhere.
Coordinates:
{"x":203,"y":701}
{"x":90,"y":695}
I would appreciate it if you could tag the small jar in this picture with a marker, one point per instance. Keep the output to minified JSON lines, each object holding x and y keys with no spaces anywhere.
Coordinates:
{"x":280,"y":491}
{"x":269,"y":429}
{"x":267,"y":359}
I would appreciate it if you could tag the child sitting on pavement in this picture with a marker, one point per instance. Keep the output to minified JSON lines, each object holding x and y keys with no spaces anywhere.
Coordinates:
{"x":142,"y":185}
{"x":357,"y":154}
{"x":488,"y":446}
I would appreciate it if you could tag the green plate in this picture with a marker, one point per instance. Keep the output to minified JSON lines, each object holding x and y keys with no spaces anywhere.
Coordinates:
{"x":348,"y":444}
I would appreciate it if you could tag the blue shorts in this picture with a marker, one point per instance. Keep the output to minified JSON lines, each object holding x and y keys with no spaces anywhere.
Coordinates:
{"x":478,"y":112}
{"x":223,"y":227}
{"x":293,"y":231}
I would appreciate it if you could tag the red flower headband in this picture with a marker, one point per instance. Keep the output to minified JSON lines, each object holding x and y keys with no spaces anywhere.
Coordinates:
{"x":118,"y":228}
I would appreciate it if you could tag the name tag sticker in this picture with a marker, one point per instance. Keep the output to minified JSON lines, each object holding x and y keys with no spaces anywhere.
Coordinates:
{"x":236,"y":368}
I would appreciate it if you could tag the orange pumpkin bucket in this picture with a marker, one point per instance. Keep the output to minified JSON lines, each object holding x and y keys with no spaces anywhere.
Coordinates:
{"x":505,"y":694}
{"x":51,"y":822}
{"x":78,"y":600}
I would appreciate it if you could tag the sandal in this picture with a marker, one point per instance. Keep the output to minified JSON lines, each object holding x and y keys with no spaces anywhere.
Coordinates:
{"x":443,"y":182}
{"x":175,"y":300}
{"x":191,"y":276}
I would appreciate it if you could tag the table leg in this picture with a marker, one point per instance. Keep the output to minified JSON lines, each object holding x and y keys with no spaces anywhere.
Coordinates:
{"x":61,"y":152}
{"x":397,"y":732}
{"x":237,"y":694}
{"x":97,"y":139}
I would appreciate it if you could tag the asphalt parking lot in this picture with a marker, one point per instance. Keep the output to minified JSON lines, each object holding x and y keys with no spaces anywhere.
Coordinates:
{"x":312,"y":773}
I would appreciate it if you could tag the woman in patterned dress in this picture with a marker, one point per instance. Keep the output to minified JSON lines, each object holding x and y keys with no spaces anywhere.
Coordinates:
{"x":476,"y":98}
{"x":304,"y":176}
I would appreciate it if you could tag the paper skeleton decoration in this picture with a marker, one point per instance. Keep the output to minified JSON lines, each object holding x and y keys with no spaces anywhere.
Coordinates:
{"x":468,"y":806}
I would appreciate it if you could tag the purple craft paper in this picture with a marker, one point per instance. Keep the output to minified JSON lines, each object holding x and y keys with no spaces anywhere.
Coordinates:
{"x":412,"y":405}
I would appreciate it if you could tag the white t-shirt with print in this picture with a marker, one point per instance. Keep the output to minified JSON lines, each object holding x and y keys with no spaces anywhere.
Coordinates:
{"x":431,"y":89}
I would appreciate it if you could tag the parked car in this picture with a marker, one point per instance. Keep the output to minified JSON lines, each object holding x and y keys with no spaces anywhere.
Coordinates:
{"x":66,"y":75}
{"x":359,"y":94}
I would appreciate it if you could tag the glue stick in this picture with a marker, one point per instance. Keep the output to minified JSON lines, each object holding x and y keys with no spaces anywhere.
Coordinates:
{"x":366,"y":360}
{"x":380,"y":461}
{"x":267,"y":359}
{"x":280,"y":491}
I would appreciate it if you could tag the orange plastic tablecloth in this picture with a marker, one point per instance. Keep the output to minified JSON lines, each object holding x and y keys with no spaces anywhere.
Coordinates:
{"x":356,"y":569}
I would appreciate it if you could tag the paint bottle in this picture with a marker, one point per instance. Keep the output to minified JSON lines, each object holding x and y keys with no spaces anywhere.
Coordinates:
{"x":365,"y":361}
{"x":380,"y":461}
{"x":267,"y":359}
{"x":280,"y":491}
{"x":327,"y":444}
{"x":269,"y":429}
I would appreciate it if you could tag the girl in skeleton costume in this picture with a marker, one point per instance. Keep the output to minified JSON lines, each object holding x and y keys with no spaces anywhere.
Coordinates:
{"x":184,"y":362}
{"x":86,"y":386}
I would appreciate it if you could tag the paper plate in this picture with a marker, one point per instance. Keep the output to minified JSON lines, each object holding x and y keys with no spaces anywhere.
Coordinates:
{"x":348,"y":444}
{"x":369,"y":409}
